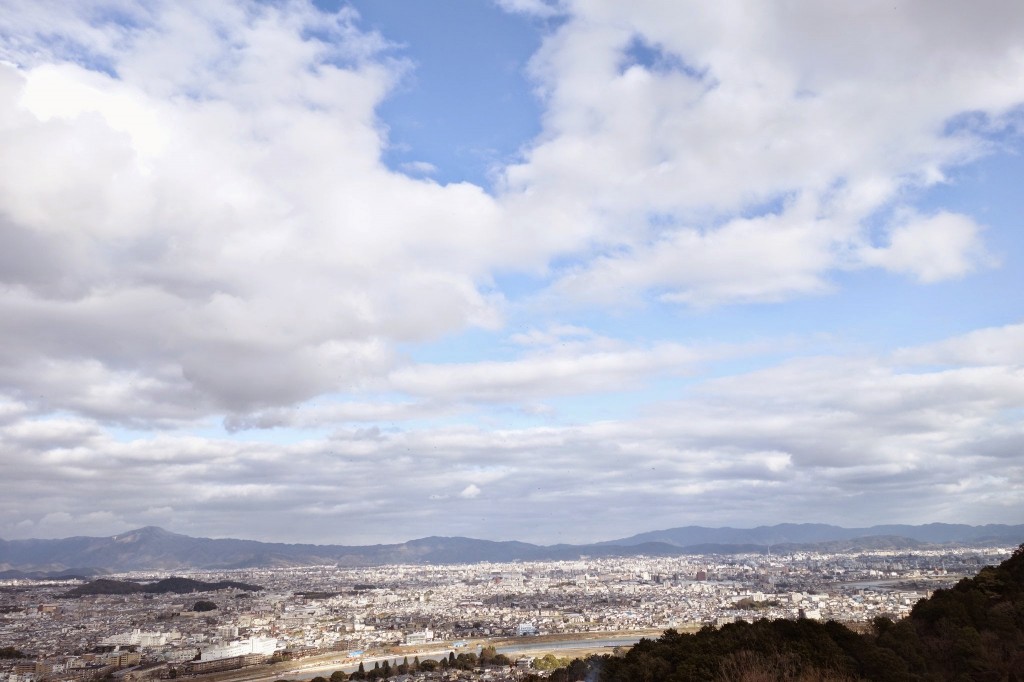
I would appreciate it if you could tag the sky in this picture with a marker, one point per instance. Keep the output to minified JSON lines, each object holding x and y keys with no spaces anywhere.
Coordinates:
{"x":545,"y":270}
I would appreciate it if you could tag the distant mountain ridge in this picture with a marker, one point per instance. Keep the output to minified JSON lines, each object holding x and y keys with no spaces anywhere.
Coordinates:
{"x":802,"y":533}
{"x":153,"y":548}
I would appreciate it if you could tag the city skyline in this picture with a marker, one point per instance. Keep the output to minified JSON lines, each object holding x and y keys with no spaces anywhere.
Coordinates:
{"x":357,"y":273}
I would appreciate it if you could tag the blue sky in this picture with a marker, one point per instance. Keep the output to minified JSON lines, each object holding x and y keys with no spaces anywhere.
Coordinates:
{"x":548,"y":271}
{"x":466,"y":105}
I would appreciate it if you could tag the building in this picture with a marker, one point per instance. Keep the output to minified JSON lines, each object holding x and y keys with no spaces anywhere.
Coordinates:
{"x":420,"y":637}
{"x":524,"y":629}
{"x":265,"y":646}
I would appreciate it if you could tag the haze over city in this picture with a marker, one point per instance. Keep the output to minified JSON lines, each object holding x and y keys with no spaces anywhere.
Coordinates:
{"x":559,"y":271}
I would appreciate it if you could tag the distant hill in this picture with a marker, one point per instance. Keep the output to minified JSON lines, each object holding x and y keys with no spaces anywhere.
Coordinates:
{"x":806,"y":533}
{"x":972,"y":631}
{"x":153,"y":548}
{"x":173,"y":585}
{"x":68,"y":574}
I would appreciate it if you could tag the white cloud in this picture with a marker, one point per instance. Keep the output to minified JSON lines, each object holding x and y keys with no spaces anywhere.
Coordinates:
{"x":982,"y":347}
{"x":539,"y":8}
{"x":759,"y":259}
{"x":213,"y":228}
{"x":553,"y":335}
{"x":735,"y":112}
{"x":570,"y":370}
{"x":470,"y":492}
{"x":419,"y":167}
{"x":932,"y":248}
{"x":197,"y":217}
{"x":848,"y":439}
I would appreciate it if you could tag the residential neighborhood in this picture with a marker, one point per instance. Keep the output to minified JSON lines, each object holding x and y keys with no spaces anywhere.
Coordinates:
{"x":308,"y":621}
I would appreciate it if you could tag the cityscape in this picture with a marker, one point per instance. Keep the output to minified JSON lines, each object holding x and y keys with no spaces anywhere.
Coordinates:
{"x":314,"y":620}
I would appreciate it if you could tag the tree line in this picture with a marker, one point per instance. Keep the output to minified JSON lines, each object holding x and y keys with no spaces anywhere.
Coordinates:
{"x":488,"y":656}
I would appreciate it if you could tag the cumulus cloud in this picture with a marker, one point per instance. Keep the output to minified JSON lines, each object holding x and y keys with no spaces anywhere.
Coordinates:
{"x":207,"y":222}
{"x":196,"y":215}
{"x":665,"y":123}
{"x":932,"y":248}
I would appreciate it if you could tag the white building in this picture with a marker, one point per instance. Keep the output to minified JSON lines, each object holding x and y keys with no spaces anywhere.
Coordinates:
{"x":243,"y":647}
{"x":421,"y":637}
{"x":139,"y":638}
{"x":524,"y":629}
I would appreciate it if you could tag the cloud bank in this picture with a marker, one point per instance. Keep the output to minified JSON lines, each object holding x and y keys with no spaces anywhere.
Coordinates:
{"x":211,"y":281}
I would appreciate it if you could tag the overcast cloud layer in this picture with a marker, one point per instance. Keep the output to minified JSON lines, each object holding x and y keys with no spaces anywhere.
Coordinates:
{"x":754,"y":268}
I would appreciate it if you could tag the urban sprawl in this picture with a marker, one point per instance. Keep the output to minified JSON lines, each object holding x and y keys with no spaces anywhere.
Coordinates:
{"x":312,"y":618}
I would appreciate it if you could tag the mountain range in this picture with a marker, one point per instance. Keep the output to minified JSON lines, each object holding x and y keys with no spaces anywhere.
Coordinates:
{"x":153,"y":548}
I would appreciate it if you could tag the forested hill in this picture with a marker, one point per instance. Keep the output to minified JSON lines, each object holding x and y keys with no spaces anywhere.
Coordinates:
{"x":172,"y":585}
{"x":973,"y":631}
